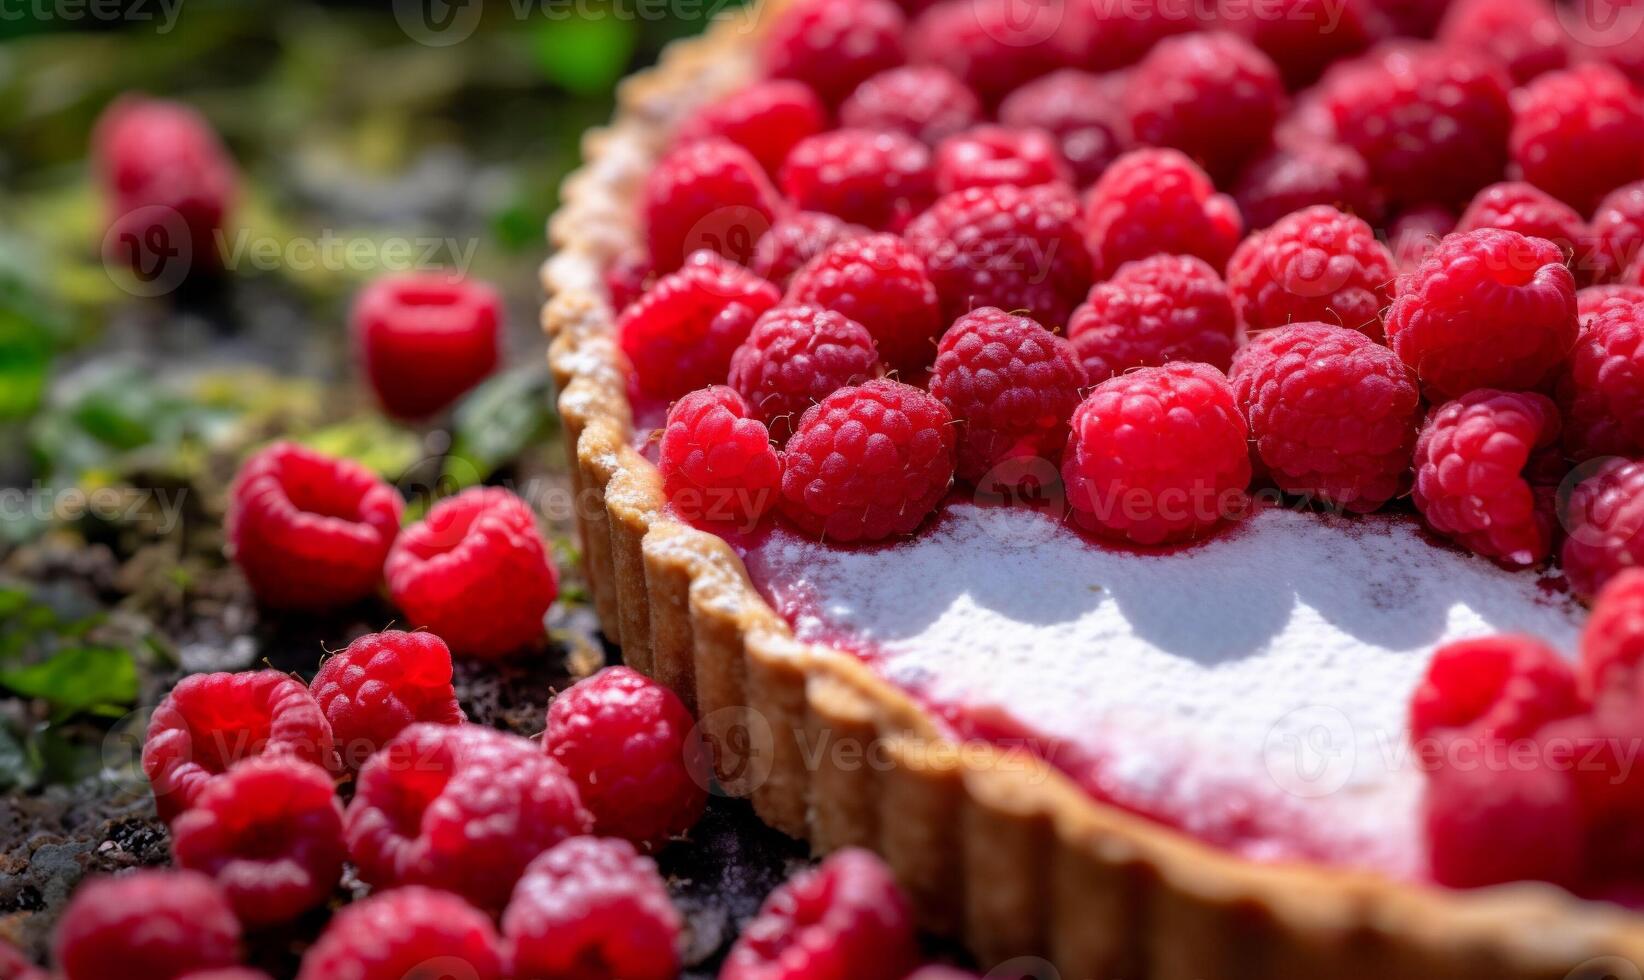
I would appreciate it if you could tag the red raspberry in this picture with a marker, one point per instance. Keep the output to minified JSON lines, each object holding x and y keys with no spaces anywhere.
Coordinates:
{"x":1413,"y":18}
{"x":1316,"y":265}
{"x":1432,"y":122}
{"x":310,"y":532}
{"x":1593,"y":300}
{"x":1579,"y":134}
{"x":169,"y":186}
{"x":381,"y":683}
{"x":269,"y":831}
{"x":227,"y":973}
{"x":1011,"y":384}
{"x":797,"y":238}
{"x":1415,"y":235}
{"x":1604,"y":523}
{"x":681,"y":334}
{"x":845,"y":918}
{"x":991,"y":155}
{"x":1164,"y":308}
{"x":1212,"y":96}
{"x":1287,"y":179}
{"x":210,"y":721}
{"x":1502,"y":688}
{"x":1158,"y":455}
{"x":632,"y":748}
{"x":1524,"y":35}
{"x":1487,"y":825}
{"x":1487,"y":308}
{"x":1153,"y":202}
{"x":928,"y":103}
{"x":706,"y":194}
{"x":1618,"y":228}
{"x":834,"y":47}
{"x":1612,"y":644}
{"x":869,"y":177}
{"x":868,"y":462}
{"x":1602,"y":387}
{"x":1531,"y":211}
{"x":1333,"y":413}
{"x":628,"y":277}
{"x":797,"y":356}
{"x":426,"y":339}
{"x":1084,"y":112}
{"x":406,"y":934}
{"x":1304,"y":37}
{"x":993,"y":45}
{"x":14,"y":965}
{"x":768,"y":119}
{"x":1471,"y":480}
{"x":475,"y":572}
{"x":1017,"y":248}
{"x":881,"y":283}
{"x":464,"y":808}
{"x":716,"y":459}
{"x":147,"y":925}
{"x":1102,"y":35}
{"x":940,"y":972}
{"x":590,"y":908}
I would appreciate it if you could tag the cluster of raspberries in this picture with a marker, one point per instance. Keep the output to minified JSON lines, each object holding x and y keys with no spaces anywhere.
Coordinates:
{"x":938,"y":245}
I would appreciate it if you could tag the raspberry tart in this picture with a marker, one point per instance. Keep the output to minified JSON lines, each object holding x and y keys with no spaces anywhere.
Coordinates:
{"x":1137,"y":586}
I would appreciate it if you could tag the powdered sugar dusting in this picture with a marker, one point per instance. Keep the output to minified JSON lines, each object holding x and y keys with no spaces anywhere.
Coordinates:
{"x":1251,"y":690}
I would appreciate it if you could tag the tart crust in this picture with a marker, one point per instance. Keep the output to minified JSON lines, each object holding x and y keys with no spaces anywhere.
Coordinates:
{"x":995,"y":847}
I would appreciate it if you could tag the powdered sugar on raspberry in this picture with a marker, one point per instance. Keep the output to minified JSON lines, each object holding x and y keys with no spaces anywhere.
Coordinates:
{"x":1250,"y":690}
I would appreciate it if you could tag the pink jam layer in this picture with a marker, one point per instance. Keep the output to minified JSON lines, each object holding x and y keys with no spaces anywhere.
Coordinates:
{"x":1249,"y":690}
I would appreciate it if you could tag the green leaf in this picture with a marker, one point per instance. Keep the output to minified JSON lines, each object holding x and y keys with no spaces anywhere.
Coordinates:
{"x":497,"y":422}
{"x":76,"y":679}
{"x":585,"y":55}
{"x":372,"y":441}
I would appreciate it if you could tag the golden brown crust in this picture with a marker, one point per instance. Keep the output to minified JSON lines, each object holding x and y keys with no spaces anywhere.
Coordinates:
{"x":995,"y":847}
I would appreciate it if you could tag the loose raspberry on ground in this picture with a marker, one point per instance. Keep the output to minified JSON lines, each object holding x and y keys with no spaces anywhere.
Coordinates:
{"x":426,"y":339}
{"x":210,"y":721}
{"x":1579,"y":134}
{"x":834,"y":47}
{"x":590,"y":908}
{"x":1531,"y":211}
{"x":1212,"y":95}
{"x":1505,"y":687}
{"x":310,"y":532}
{"x":845,"y":918}
{"x":1488,"y":308}
{"x":1010,"y":384}
{"x":270,"y":833}
{"x":1415,"y":234}
{"x":797,"y":238}
{"x":628,"y":277}
{"x":681,"y":334}
{"x":381,"y":683}
{"x":1160,"y":309}
{"x":1153,"y":202}
{"x":1158,"y":455}
{"x":1474,"y":462}
{"x":1612,"y":643}
{"x":717,"y":461}
{"x":1317,"y":265}
{"x":923,"y":101}
{"x":1289,"y":178}
{"x":1604,"y":525}
{"x":1601,"y":390}
{"x":475,"y":572}
{"x":1432,"y":122}
{"x":1085,"y":113}
{"x":1486,"y":825}
{"x":1017,"y":248}
{"x":987,"y":156}
{"x":1333,"y":413}
{"x":868,"y":177}
{"x":880,"y":282}
{"x":994,"y":46}
{"x":707,"y":194}
{"x":463,"y":808}
{"x":147,"y":925}
{"x":16,"y":966}
{"x":1304,"y":37}
{"x":406,"y":934}
{"x":795,"y":357}
{"x":768,"y":119}
{"x":1524,"y":35}
{"x":868,"y":462}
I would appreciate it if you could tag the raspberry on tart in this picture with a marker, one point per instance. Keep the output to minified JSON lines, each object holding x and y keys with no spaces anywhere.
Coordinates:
{"x":1601,"y":391}
{"x":1160,"y":309}
{"x":795,"y":357}
{"x":1158,"y":201}
{"x":834,"y":47}
{"x":1526,"y":36}
{"x":923,"y":101}
{"x":1602,"y":520}
{"x":882,"y":283}
{"x":1290,"y":178}
{"x":1316,"y":265}
{"x":794,"y":240}
{"x":1304,"y":37}
{"x":680,"y":336}
{"x":1618,"y":227}
{"x":876,"y":178}
{"x":987,"y":156}
{"x":1532,"y":212}
{"x":767,"y":119}
{"x":706,"y":194}
{"x":716,"y":459}
{"x":994,"y":45}
{"x":1085,"y":113}
{"x":1579,"y":134}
